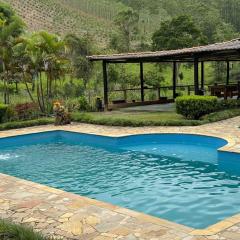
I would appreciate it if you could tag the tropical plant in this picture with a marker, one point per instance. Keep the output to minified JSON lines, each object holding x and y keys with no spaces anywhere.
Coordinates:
{"x":11,"y":26}
{"x":42,"y":55}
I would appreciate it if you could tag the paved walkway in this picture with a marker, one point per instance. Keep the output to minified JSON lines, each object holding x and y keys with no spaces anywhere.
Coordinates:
{"x":55,"y":212}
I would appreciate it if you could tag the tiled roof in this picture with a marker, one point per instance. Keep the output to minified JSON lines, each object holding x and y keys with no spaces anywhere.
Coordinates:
{"x":224,"y":47}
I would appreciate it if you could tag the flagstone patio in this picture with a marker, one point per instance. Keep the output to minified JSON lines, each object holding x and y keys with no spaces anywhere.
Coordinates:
{"x":69,"y":216}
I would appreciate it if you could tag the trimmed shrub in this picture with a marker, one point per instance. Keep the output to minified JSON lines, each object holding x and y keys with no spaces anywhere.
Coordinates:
{"x":228,"y":104}
{"x":24,"y":124}
{"x":194,"y":107}
{"x":3,"y":111}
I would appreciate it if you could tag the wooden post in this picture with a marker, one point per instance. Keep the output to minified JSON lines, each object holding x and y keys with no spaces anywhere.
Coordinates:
{"x":159,"y":93}
{"x":125,"y":95}
{"x":228,"y":73}
{"x":202,"y":76}
{"x":189,"y":90}
{"x":238,"y":87}
{"x":142,"y":81}
{"x":105,"y":84}
{"x":174,"y":79}
{"x":196,"y":77}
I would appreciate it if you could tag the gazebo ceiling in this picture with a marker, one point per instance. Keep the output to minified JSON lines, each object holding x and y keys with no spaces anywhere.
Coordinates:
{"x":225,"y":51}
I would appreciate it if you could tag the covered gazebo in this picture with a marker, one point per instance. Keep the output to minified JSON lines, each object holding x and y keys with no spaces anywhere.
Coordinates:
{"x":226,"y":52}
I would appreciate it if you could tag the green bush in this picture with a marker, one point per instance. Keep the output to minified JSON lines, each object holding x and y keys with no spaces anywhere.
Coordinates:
{"x":10,"y":114}
{"x":83,"y":104}
{"x":194,"y":107}
{"x":77,"y":104}
{"x":228,"y":104}
{"x":3,"y":111}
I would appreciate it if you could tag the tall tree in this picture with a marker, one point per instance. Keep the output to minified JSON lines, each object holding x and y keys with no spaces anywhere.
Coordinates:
{"x":11,"y":26}
{"x":77,"y":49}
{"x":180,"y":32}
{"x":127,"y":22}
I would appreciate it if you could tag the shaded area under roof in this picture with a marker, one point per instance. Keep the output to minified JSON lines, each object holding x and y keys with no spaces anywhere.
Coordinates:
{"x":225,"y":51}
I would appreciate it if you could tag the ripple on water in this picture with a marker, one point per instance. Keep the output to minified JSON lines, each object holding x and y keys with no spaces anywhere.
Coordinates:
{"x":193,"y":193}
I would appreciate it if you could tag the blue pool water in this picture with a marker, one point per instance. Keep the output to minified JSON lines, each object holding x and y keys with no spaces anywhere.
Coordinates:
{"x":182,"y":178}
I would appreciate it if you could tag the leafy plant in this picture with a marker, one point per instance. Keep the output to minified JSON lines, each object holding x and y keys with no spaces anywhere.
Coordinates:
{"x":62,"y":117}
{"x":18,"y":232}
{"x":83,"y":104}
{"x":27,"y":111}
{"x":194,"y":107}
{"x":3,"y":110}
{"x":228,"y":104}
{"x":180,"y":32}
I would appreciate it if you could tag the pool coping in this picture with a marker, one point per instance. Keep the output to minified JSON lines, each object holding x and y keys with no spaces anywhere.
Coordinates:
{"x":209,"y":231}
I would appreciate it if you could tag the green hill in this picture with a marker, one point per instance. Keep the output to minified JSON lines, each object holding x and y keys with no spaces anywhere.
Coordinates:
{"x":218,"y":19}
{"x":68,"y":16}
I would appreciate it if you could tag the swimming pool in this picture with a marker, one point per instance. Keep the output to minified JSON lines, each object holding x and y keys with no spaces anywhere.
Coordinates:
{"x":181,"y":178}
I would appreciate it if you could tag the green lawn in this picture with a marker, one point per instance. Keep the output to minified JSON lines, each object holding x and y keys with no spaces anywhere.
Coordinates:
{"x":137,"y":119}
{"x":133,"y":119}
{"x":138,"y":116}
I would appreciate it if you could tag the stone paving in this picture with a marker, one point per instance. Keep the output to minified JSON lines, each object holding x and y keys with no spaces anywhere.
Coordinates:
{"x":68,"y":216}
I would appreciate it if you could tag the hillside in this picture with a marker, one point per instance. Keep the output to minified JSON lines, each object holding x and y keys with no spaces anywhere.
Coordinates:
{"x":67,"y":16}
{"x":218,"y":19}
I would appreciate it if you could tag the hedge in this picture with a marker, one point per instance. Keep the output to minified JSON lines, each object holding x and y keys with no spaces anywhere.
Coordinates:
{"x":194,"y":107}
{"x":28,"y":123}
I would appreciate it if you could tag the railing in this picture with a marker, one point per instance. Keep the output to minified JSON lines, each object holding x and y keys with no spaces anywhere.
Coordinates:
{"x":159,"y":90}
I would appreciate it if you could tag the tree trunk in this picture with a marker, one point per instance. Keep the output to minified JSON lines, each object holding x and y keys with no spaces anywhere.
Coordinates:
{"x":41,"y":91}
{"x":28,"y":90}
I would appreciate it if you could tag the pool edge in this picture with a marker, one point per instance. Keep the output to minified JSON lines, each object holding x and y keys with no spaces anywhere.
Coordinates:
{"x":209,"y":231}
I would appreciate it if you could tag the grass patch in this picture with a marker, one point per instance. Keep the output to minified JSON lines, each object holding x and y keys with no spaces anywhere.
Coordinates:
{"x":28,"y":123}
{"x":139,"y":119}
{"x":136,"y":119}
{"x":10,"y":231}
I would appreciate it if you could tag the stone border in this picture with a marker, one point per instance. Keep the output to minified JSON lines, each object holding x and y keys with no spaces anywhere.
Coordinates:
{"x":107,"y":131}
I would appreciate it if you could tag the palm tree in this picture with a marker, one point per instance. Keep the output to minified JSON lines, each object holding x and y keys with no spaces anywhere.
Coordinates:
{"x":42,"y":53}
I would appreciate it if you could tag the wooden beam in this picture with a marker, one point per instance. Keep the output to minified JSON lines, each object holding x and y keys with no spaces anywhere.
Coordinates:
{"x":105,"y":84}
{"x":196,"y":76}
{"x":228,"y":73}
{"x":142,"y":81}
{"x":202,"y":75}
{"x":174,"y":79}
